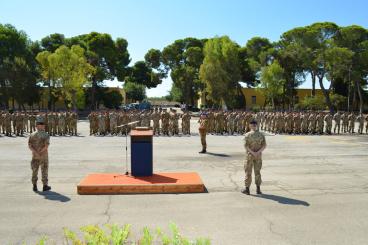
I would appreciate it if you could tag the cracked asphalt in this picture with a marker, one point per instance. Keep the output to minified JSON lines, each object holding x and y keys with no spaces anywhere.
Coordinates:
{"x":315,"y":190}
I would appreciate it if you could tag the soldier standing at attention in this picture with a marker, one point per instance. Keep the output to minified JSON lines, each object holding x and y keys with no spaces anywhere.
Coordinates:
{"x":203,"y":124}
{"x":255,"y":143}
{"x":337,"y":119}
{"x":38,"y":143}
{"x":360,"y":119}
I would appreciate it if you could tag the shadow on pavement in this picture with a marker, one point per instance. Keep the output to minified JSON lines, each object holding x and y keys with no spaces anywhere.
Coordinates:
{"x":54,"y":196}
{"x":283,"y":200}
{"x":217,"y":154}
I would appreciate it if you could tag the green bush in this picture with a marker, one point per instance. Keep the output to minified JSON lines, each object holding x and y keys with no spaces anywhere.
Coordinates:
{"x":117,"y":235}
{"x":255,"y":108}
{"x":313,"y":103}
{"x":338,"y":101}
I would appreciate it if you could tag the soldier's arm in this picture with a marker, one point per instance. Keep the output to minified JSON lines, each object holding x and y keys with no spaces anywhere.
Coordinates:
{"x":32,"y":148}
{"x":47,"y":143}
{"x":264,"y":145}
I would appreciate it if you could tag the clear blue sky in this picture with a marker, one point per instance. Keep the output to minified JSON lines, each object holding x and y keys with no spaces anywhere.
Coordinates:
{"x":154,"y":24}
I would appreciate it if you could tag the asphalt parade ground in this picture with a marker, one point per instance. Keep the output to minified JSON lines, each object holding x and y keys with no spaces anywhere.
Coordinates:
{"x":315,"y":190}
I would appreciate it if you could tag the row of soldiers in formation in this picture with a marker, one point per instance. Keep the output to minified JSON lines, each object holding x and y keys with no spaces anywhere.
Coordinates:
{"x":221,"y":122}
{"x":56,"y":123}
{"x":237,"y":122}
{"x":312,"y":122}
{"x":116,"y":122}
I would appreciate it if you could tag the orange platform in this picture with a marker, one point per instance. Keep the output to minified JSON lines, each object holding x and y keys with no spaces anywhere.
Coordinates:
{"x":114,"y":183}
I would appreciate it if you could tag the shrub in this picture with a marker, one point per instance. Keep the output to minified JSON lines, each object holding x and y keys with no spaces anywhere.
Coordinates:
{"x":117,"y":235}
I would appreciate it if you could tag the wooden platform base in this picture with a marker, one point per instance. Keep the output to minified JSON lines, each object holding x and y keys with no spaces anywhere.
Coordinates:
{"x":114,"y":183}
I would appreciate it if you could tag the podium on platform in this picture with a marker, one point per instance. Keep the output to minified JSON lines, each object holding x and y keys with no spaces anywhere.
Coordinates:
{"x":141,"y":152}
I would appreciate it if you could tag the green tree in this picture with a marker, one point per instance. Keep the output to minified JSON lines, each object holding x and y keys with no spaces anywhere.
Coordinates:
{"x":134,"y":91}
{"x":321,"y":36}
{"x":70,"y":71}
{"x":258,"y":50}
{"x":355,"y":39}
{"x":221,"y":71}
{"x":53,"y":42}
{"x":109,"y":58}
{"x":18,"y":70}
{"x":272,"y":82}
{"x":183,"y":59}
{"x":112,"y":99}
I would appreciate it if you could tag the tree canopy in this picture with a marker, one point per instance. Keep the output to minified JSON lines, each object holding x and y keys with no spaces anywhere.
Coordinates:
{"x":334,"y":57}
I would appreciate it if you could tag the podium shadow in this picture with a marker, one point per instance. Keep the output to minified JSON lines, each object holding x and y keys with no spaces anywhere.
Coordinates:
{"x":54,"y":196}
{"x":283,"y":200}
{"x":157,"y":179}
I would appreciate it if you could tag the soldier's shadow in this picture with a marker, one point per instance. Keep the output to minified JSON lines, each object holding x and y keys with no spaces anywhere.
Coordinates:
{"x":54,"y":196}
{"x":283,"y":200}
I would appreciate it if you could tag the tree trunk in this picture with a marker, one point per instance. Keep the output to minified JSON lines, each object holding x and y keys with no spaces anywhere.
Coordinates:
{"x":326,"y":93}
{"x":313,"y":84}
{"x":49,"y":99}
{"x":349,"y":96}
{"x":74,"y":100}
{"x":353,"y":103}
{"x":360,"y":97}
{"x":93,"y":94}
{"x":273,"y":103}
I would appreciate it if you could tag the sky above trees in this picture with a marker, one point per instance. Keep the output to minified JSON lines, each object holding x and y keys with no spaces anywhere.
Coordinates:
{"x":157,"y":23}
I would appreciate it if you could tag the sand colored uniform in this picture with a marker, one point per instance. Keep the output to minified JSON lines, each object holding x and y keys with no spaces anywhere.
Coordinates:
{"x":38,"y":140}
{"x":254,"y":140}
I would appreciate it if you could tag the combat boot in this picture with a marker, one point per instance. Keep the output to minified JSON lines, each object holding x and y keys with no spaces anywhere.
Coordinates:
{"x":259,"y":190}
{"x":35,"y":189}
{"x":46,"y":188}
{"x":203,"y":151}
{"x":246,"y":191}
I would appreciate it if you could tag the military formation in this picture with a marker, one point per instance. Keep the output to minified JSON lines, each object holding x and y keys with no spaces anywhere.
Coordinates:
{"x":237,"y":122}
{"x":20,"y":123}
{"x":312,"y":122}
{"x":220,"y":122}
{"x":120,"y":122}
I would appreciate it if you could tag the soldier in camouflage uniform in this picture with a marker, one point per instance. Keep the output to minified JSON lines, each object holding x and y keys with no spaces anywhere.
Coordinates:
{"x":165,"y":119}
{"x":328,"y":120}
{"x":351,"y":119}
{"x":62,"y":126}
{"x":337,"y":120}
{"x":32,"y":122}
{"x":360,"y":120}
{"x":345,"y":122}
{"x":38,"y":143}
{"x":254,"y":143}
{"x":156,"y":121}
{"x":185,"y":123}
{"x":203,"y":124}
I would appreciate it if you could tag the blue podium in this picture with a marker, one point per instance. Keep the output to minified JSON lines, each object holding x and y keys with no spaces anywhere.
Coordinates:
{"x":141,"y":152}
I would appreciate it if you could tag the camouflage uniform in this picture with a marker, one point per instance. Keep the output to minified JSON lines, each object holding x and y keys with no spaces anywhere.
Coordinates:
{"x":156,"y":122}
{"x":203,"y":124}
{"x":38,"y":140}
{"x":61,"y":129}
{"x":328,"y":120}
{"x":337,"y":119}
{"x":185,"y":123}
{"x":254,"y":140}
{"x":360,"y":120}
{"x":345,"y":122}
{"x":351,"y":119}
{"x":165,"y":119}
